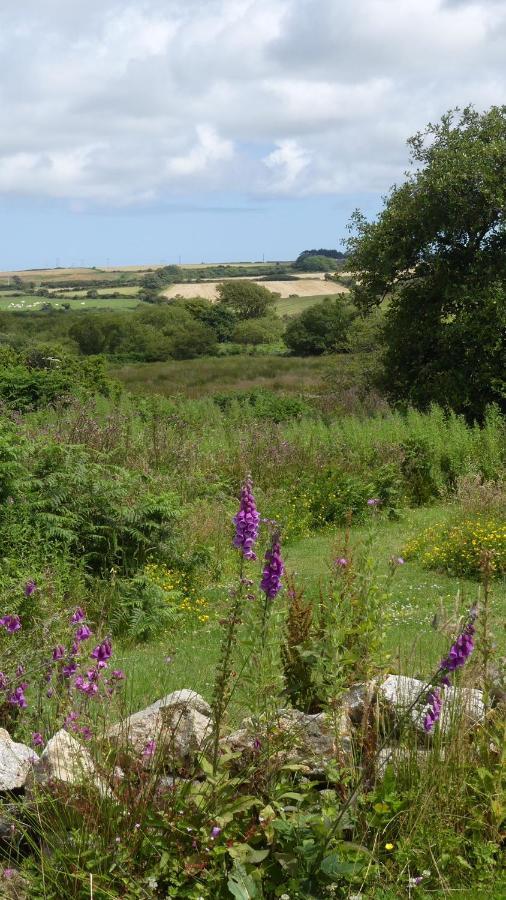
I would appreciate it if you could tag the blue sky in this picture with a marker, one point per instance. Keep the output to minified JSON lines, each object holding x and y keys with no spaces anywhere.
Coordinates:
{"x":144,"y":131}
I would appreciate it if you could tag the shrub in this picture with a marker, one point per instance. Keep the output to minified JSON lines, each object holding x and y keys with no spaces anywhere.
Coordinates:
{"x":257,"y":331}
{"x":322,"y":328}
{"x":458,"y":548}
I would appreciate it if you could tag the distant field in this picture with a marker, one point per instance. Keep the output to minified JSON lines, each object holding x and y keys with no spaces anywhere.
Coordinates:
{"x":305,"y":286}
{"x":28,"y":302}
{"x":292,"y":306}
{"x":208,"y":376}
{"x":87,"y":274}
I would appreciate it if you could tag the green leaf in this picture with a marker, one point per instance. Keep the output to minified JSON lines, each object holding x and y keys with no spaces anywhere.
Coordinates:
{"x":334,"y":866}
{"x":241,"y":885}
{"x":243,"y":853}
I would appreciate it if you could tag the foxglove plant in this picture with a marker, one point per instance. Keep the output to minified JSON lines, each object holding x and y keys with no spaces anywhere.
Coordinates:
{"x":246,"y":523}
{"x":460,"y":652}
{"x":271,"y":580}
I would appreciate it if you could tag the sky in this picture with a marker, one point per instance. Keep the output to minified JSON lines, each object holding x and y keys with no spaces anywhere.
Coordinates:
{"x":159,"y":131}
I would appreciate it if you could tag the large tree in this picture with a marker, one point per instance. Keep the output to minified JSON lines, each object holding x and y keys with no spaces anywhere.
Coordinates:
{"x":245,"y":298}
{"x":437,"y":255}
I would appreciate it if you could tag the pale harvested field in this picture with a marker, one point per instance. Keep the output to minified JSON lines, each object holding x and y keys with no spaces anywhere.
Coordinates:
{"x":303,"y":287}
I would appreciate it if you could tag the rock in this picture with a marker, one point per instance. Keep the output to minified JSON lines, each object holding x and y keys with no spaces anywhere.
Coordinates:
{"x":178,"y":724}
{"x":297,"y":737}
{"x":65,"y":760}
{"x":16,"y":761}
{"x":357,"y":698}
{"x":398,"y":693}
{"x":184,"y":697}
{"x":400,"y":756}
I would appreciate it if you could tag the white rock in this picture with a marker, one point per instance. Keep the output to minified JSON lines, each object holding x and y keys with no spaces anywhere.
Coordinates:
{"x":16,"y":761}
{"x":65,"y":760}
{"x":179,"y":724}
{"x":399,"y":693}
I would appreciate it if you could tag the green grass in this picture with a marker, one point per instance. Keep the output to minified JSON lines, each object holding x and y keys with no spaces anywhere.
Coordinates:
{"x":208,"y":375}
{"x":29,"y":303}
{"x":293,"y":306}
{"x":413,"y":645}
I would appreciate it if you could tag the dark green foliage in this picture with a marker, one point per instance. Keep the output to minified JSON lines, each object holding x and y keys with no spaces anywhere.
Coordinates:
{"x":263,"y":404}
{"x":102,"y":514}
{"x":215,"y":316}
{"x":322,"y":328}
{"x":330,"y":254}
{"x":316,"y":263}
{"x":257,"y":331}
{"x":439,"y":250}
{"x":139,"y":610}
{"x":153,"y":333}
{"x":36,"y":378}
{"x":246,"y":299}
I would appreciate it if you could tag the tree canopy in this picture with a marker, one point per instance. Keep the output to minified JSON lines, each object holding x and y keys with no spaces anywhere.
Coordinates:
{"x":438,"y":252}
{"x":322,"y":328}
{"x":245,"y":298}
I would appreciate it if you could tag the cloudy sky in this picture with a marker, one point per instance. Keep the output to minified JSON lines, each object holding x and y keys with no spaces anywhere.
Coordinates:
{"x":153,"y":130}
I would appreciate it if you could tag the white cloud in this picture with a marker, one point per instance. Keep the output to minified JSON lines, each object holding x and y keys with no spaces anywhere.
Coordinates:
{"x":117,"y":102}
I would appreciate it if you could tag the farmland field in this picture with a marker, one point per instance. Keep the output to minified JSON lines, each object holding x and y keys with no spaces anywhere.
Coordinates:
{"x":303,"y":287}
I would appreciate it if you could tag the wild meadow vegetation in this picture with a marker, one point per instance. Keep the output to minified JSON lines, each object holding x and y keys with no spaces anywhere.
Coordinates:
{"x":259,"y":512}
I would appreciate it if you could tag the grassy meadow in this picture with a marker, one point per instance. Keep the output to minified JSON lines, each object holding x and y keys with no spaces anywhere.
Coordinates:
{"x":126,"y":472}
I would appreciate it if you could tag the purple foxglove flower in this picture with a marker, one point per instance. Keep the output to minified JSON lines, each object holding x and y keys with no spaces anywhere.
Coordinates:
{"x":58,"y":652}
{"x":86,"y":733}
{"x":37,"y":739}
{"x":4,"y":682}
{"x":215,"y":832}
{"x":102,"y":652}
{"x":434,"y":710}
{"x":79,"y":616}
{"x":118,"y":674}
{"x":86,"y":687}
{"x":373,"y":501}
{"x":246,"y":522}
{"x":273,"y":570}
{"x":20,"y":671}
{"x":71,"y":717}
{"x":461,"y":649}
{"x":11,"y":623}
{"x":149,"y":749}
{"x":69,"y":669}
{"x":17,"y":698}
{"x":83,"y":633}
{"x":30,"y":588}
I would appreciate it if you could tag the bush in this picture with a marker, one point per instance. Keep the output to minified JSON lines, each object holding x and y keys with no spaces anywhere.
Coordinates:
{"x":257,"y":331}
{"x":458,"y":549}
{"x":322,"y":328}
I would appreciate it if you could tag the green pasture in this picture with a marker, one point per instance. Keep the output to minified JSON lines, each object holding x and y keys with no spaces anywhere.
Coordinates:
{"x":293,"y":306}
{"x":30,"y":303}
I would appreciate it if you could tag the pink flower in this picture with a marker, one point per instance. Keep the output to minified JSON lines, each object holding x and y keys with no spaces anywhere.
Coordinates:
{"x":342,"y":562}
{"x":149,"y":749}
{"x":37,"y":739}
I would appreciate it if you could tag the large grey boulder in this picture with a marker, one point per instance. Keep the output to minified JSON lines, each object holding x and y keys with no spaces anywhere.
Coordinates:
{"x":66,"y":761}
{"x":16,"y":761}
{"x":398,"y":697}
{"x":173,"y":729}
